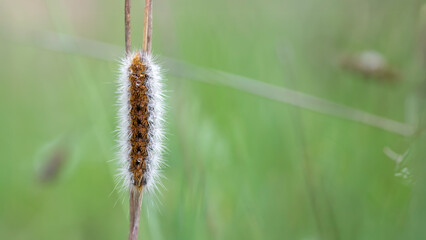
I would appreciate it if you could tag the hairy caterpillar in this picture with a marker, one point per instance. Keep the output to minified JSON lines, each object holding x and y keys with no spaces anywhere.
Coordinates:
{"x":141,"y":121}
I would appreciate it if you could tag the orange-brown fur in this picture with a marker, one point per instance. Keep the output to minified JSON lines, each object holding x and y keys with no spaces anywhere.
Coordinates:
{"x":138,"y":121}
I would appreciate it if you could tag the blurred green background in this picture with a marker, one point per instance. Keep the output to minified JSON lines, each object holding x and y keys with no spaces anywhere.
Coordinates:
{"x":240,"y":166}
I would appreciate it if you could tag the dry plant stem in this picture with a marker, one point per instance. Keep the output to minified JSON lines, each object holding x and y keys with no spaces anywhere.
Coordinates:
{"x":135,"y":198}
{"x":135,"y":202}
{"x":147,"y":28}
{"x":127,"y":25}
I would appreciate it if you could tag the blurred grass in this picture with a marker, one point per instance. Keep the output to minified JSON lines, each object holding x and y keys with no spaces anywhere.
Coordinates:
{"x":240,"y":166}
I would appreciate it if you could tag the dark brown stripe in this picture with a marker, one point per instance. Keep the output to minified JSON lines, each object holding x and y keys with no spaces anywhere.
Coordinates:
{"x":138,"y":121}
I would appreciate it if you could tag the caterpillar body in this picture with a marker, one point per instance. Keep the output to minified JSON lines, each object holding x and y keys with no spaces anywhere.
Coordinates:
{"x":141,"y":122}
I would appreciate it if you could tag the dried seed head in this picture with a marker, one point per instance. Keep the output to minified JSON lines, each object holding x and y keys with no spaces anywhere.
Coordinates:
{"x":141,"y":118}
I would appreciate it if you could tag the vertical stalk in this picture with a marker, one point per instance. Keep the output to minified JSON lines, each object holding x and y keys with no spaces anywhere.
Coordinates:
{"x":135,"y":202}
{"x":135,"y":195}
{"x":147,"y":28}
{"x":127,"y":26}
